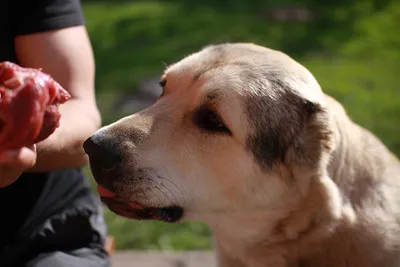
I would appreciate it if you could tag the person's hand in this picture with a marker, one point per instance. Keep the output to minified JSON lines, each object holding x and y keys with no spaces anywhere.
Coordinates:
{"x":15,"y":162}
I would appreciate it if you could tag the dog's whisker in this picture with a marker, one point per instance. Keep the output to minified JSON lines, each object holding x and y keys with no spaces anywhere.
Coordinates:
{"x":172,"y":193}
{"x":169,"y":190}
{"x":162,"y":192}
{"x":150,"y":181}
{"x":175,"y":185}
{"x":160,"y":203}
{"x":144,"y":195}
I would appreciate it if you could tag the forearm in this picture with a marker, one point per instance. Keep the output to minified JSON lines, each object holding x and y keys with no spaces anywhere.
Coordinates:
{"x":63,"y":149}
{"x":66,"y":55}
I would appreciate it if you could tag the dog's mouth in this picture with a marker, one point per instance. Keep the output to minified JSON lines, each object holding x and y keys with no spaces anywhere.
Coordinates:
{"x":137,"y":211}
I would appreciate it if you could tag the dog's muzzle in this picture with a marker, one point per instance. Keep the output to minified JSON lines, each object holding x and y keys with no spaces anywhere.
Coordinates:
{"x":106,"y":163}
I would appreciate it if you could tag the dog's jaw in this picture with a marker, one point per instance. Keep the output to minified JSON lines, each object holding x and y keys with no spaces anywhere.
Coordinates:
{"x":135,"y":210}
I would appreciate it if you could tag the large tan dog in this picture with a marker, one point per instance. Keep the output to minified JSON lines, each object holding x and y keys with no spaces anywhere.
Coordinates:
{"x":244,"y":140}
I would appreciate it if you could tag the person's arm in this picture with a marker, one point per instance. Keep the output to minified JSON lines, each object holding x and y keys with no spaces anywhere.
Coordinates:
{"x":66,"y":55}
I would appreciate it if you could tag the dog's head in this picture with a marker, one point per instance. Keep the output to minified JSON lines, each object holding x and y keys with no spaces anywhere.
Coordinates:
{"x":238,"y":128}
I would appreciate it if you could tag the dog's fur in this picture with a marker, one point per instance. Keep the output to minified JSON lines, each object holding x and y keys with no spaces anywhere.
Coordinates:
{"x":291,"y":181}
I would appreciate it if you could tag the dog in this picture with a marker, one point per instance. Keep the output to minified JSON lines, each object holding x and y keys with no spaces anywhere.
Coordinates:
{"x":244,"y":139}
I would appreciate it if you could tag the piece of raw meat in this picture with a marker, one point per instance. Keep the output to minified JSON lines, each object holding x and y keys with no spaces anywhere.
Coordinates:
{"x":29,"y":102}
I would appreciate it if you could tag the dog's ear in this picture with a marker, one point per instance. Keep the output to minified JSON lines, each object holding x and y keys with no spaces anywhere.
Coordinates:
{"x":307,"y":158}
{"x":291,"y":123}
{"x":315,"y":140}
{"x":311,"y":108}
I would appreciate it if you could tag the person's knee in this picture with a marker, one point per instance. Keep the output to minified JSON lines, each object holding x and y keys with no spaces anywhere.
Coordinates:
{"x":83,"y":257}
{"x":87,"y":257}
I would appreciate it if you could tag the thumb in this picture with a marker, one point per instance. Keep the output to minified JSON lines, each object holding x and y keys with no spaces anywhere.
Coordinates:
{"x":20,"y":159}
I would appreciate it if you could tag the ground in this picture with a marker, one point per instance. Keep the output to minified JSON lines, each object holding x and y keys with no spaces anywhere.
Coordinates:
{"x":163,"y":259}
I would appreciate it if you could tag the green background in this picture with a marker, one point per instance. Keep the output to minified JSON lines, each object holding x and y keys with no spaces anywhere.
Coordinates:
{"x":351,"y":47}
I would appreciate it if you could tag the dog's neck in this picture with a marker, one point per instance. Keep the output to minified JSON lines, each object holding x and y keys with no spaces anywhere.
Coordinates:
{"x":358,"y":153}
{"x":240,"y":239}
{"x":274,"y":239}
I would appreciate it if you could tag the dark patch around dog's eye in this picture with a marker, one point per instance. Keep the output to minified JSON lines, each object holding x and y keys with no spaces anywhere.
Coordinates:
{"x":207,"y":119}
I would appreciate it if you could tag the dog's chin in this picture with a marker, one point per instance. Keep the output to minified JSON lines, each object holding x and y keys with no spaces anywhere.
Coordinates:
{"x":137,"y":211}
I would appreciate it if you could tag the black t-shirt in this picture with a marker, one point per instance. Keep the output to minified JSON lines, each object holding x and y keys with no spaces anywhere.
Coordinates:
{"x":34,"y":197}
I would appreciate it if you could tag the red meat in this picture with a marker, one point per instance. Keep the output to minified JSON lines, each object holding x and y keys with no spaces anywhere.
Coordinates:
{"x":29,"y":102}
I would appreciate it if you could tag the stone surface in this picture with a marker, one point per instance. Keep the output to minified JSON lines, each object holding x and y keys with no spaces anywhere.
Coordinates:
{"x":163,"y":259}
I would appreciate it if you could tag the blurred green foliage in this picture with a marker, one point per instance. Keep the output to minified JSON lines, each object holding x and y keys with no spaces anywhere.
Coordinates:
{"x":352,"y":47}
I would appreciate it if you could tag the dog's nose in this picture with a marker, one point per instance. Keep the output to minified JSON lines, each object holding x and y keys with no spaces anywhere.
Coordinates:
{"x":102,"y":151}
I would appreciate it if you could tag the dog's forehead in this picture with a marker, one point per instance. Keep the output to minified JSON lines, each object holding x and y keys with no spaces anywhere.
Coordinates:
{"x":213,"y":57}
{"x":244,"y":63}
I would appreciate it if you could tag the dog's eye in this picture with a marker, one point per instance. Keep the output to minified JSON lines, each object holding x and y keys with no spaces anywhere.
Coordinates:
{"x":208,"y":120}
{"x":162,"y":83}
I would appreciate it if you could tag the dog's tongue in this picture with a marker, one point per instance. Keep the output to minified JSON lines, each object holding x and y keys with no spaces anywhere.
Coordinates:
{"x":135,"y":205}
{"x":104,"y":192}
{"x":107,"y":193}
